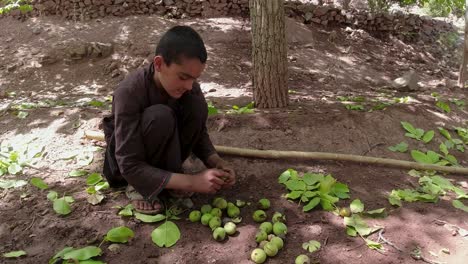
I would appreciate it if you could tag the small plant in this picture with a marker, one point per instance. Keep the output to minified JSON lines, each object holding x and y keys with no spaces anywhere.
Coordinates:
{"x":212,"y":110}
{"x":8,"y":5}
{"x":451,"y":143}
{"x":248,"y":109}
{"x":96,"y":184}
{"x":417,"y":133}
{"x":313,"y":189}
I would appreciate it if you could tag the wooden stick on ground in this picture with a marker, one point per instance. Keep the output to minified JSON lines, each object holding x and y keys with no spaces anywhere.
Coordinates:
{"x":278,"y":154}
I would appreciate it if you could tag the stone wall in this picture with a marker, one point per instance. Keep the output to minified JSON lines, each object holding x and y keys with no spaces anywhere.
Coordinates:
{"x":405,"y":25}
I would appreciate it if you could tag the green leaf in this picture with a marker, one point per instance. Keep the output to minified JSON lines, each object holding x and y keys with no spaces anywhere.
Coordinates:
{"x":445,"y":133}
{"x":294,"y":194}
{"x":400,"y":147}
{"x":420,"y":157}
{"x":351,"y":231}
{"x":7,"y":184}
{"x":120,"y":234}
{"x":286,"y":175}
{"x":312,"y":178}
{"x":61,"y":206}
{"x":296,"y":185}
{"x":356,"y":206}
{"x":310,"y":194}
{"x":101,"y":186}
{"x":149,"y":218}
{"x":93,"y":178}
{"x":52,"y":195}
{"x":326,"y":183}
{"x":451,"y":159}
{"x":127,"y":210}
{"x":91,"y":190}
{"x":95,"y":198}
{"x":166,"y":235}
{"x":443,"y":149}
{"x":340,"y":190}
{"x":96,"y":103}
{"x":376,"y":213}
{"x":394,"y":198}
{"x":428,"y":136}
{"x":39,"y":183}
{"x":408,"y":127}
{"x":442,"y":182}
{"x":212,"y":109}
{"x":14,"y":168}
{"x":311,"y":205}
{"x":459,"y":205}
{"x":443,"y":106}
{"x":22,"y":114}
{"x":69,"y":199}
{"x":326,"y":205}
{"x":360,"y":225}
{"x":83,"y":253}
{"x":15,"y":254}
{"x":433,"y":156}
{"x":77,"y":173}
{"x":60,"y":254}
{"x":372,"y":244}
{"x":311,"y":246}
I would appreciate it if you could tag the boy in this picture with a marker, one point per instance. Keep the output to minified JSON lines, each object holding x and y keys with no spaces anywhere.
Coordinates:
{"x":158,"y":118}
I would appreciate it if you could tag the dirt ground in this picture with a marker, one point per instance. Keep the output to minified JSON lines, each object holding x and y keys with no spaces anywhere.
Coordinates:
{"x":324,"y":63}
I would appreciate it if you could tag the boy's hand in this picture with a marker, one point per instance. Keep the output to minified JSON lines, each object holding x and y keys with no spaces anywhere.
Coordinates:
{"x":208,"y":181}
{"x":214,"y":161}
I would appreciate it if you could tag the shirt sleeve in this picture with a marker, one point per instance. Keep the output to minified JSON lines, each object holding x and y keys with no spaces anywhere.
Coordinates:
{"x":130,"y":151}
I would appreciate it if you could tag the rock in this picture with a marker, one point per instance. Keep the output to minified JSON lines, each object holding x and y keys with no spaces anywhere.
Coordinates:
{"x":407,"y":83}
{"x":321,"y":10}
{"x":36,"y":30}
{"x":115,"y":73}
{"x":12,"y":67}
{"x":114,"y":248}
{"x":308,"y":17}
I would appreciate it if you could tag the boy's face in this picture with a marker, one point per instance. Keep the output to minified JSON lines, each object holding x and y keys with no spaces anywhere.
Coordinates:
{"x":178,"y":78}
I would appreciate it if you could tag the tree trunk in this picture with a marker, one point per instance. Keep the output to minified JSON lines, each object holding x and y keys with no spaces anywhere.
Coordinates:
{"x":462,"y":75}
{"x":269,"y":53}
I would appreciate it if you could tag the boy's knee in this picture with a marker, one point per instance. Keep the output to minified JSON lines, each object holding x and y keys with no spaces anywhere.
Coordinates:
{"x":158,"y":117}
{"x":196,"y":108}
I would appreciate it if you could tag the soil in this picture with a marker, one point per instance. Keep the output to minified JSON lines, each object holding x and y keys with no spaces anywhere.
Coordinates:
{"x":324,"y":63}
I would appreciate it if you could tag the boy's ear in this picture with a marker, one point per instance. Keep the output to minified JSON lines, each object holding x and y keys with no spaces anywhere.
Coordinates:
{"x":158,"y":62}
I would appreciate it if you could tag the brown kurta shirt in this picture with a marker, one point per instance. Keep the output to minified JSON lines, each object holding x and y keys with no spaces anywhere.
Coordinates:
{"x":135,"y":93}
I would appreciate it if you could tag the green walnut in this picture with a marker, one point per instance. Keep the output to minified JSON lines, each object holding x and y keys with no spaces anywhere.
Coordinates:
{"x":219,"y":203}
{"x":259,"y":216}
{"x":215,"y":222}
{"x":205,"y":209}
{"x":345,"y":212}
{"x":205,"y":219}
{"x":278,"y":241}
{"x":258,"y":256}
{"x":233,"y":211}
{"x":264,"y":204}
{"x":278,"y":217}
{"x":195,"y":216}
{"x":267,"y":227}
{"x":240,"y":203}
{"x":216,"y":212}
{"x":270,"y":249}
{"x":280,"y":229}
{"x":219,"y":234}
{"x":302,"y":259}
{"x":230,"y":228}
{"x":262,"y":244}
{"x":260,"y":236}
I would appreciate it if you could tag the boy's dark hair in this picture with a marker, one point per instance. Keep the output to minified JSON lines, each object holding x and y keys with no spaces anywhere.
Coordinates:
{"x":181,"y":41}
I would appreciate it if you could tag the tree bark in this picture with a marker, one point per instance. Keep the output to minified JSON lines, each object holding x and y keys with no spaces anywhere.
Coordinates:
{"x":269,"y":54}
{"x":462,"y":75}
